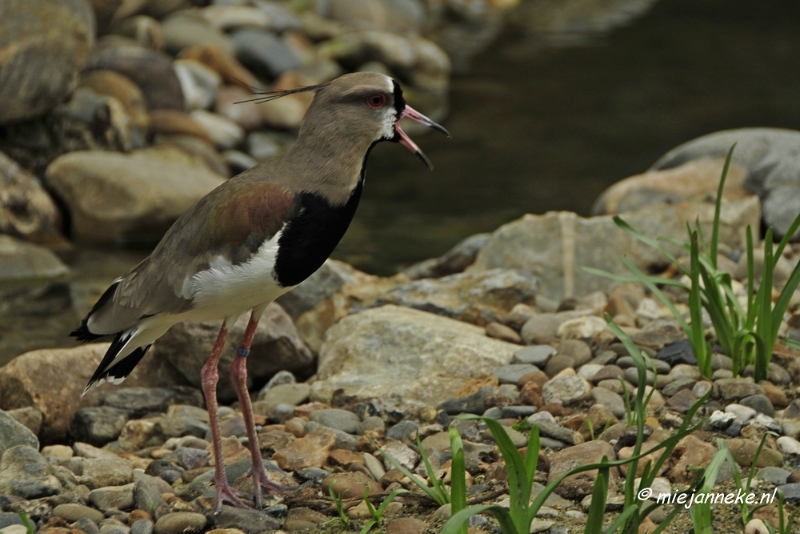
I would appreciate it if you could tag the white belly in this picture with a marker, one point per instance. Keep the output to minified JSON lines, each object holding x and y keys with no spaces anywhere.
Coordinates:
{"x":227,"y":290}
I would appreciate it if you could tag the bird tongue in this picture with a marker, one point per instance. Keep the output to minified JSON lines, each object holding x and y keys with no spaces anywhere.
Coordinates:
{"x":405,"y":140}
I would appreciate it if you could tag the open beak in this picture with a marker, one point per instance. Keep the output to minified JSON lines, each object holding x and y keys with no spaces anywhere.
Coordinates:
{"x":405,"y":140}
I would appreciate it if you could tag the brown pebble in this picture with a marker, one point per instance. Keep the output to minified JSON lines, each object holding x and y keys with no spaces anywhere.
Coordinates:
{"x":534,"y":376}
{"x":296,"y":426}
{"x":503,"y":332}
{"x":138,"y":515}
{"x":531,"y":394}
{"x":794,"y":477}
{"x":574,"y":423}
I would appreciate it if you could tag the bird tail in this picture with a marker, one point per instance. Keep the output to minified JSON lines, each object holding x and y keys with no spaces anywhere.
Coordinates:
{"x":114,"y":368}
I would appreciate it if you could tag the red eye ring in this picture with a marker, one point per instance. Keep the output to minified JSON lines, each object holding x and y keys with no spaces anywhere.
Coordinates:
{"x":376,"y":101}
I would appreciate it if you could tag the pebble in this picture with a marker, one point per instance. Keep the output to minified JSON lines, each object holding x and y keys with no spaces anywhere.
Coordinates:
{"x":405,"y":431}
{"x":337,"y":419}
{"x":737,"y":388}
{"x":542,"y":418}
{"x":537,"y":355}
{"x":578,"y":350}
{"x":113,"y":497}
{"x":565,"y":389}
{"x":788,"y":446}
{"x":791,"y":492}
{"x":73,"y":512}
{"x":510,"y":374}
{"x":613,"y":401}
{"x":608,"y":372}
{"x":500,"y":331}
{"x":742,"y":413}
{"x":142,"y":526}
{"x":721,"y":420}
{"x":682,"y":401}
{"x":558,"y":363}
{"x":589,"y":370}
{"x":773,"y":475}
{"x":180,"y":523}
{"x":759,"y":403}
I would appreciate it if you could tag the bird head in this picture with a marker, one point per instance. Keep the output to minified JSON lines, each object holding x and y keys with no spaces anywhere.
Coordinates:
{"x":362,"y":108}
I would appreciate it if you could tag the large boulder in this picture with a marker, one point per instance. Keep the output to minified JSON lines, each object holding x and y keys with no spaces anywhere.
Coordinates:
{"x":43,"y":46}
{"x":114,"y":196}
{"x":52,"y":380}
{"x":13,"y":433}
{"x":27,"y":265}
{"x":695,"y":180}
{"x":770,"y":158}
{"x":276,"y":346}
{"x":406,"y":357}
{"x":555,"y":246}
{"x":476,"y":297}
{"x":26,"y":210}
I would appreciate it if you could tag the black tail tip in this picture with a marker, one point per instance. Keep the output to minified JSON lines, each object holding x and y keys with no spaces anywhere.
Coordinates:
{"x":83,"y":334}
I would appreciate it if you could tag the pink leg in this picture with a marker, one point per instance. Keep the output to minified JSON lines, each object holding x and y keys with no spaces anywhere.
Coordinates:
{"x":210,"y":377}
{"x":239,"y":376}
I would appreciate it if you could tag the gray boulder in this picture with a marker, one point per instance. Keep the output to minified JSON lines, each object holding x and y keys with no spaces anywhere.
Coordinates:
{"x":405,"y":357}
{"x":13,"y":433}
{"x":771,"y":158}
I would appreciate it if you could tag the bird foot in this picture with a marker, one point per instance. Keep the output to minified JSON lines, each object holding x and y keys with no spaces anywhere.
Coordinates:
{"x":261,"y":481}
{"x":229,"y":495}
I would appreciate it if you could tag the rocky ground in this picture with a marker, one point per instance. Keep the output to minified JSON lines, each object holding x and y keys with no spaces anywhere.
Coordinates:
{"x":507,"y":324}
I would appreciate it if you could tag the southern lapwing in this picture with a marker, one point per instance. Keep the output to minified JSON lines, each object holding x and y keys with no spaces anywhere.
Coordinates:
{"x":250,"y":240}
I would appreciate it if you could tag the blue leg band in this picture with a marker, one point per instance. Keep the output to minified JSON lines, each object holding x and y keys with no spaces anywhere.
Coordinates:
{"x":243,"y":352}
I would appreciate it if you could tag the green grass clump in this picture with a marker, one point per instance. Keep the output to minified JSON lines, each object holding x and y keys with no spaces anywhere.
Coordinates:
{"x":748,"y":335}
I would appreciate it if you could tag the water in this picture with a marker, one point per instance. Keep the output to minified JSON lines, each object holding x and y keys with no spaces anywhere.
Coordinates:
{"x":535,"y":128}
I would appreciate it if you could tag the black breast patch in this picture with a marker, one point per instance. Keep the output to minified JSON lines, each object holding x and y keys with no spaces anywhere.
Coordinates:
{"x":309,"y":238}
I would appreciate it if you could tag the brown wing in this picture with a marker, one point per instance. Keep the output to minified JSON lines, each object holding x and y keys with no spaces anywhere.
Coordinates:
{"x":229,"y":224}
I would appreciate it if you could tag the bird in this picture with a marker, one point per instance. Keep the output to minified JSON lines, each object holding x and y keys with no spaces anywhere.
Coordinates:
{"x":250,"y":240}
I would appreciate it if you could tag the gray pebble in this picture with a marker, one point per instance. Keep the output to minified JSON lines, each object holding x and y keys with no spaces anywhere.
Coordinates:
{"x":143,"y":526}
{"x":405,"y":431}
{"x":759,"y":403}
{"x":337,"y":419}
{"x":515,"y":412}
{"x":537,"y":355}
{"x":510,"y":374}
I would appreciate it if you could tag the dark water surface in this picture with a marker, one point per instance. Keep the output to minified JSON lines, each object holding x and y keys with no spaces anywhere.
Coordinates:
{"x":538,"y":129}
{"x":535,"y":128}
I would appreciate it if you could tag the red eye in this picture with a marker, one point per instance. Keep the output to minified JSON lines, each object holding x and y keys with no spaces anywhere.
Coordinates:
{"x":376,"y":101}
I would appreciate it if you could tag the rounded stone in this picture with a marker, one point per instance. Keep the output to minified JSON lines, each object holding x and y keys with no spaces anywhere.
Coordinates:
{"x":180,"y":523}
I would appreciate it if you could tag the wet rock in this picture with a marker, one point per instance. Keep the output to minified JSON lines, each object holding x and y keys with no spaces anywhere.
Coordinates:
{"x":565,"y":389}
{"x":83,"y":180}
{"x":453,"y":261}
{"x":527,"y":244}
{"x":26,"y":210}
{"x":28,"y":265}
{"x":769,"y":159}
{"x":43,"y":46}
{"x":151,"y":71}
{"x":37,"y":379}
{"x":24,"y":473}
{"x":363,"y":352}
{"x":580,"y":485}
{"x":276,"y":346}
{"x":478,"y":298}
{"x":98,"y":424}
